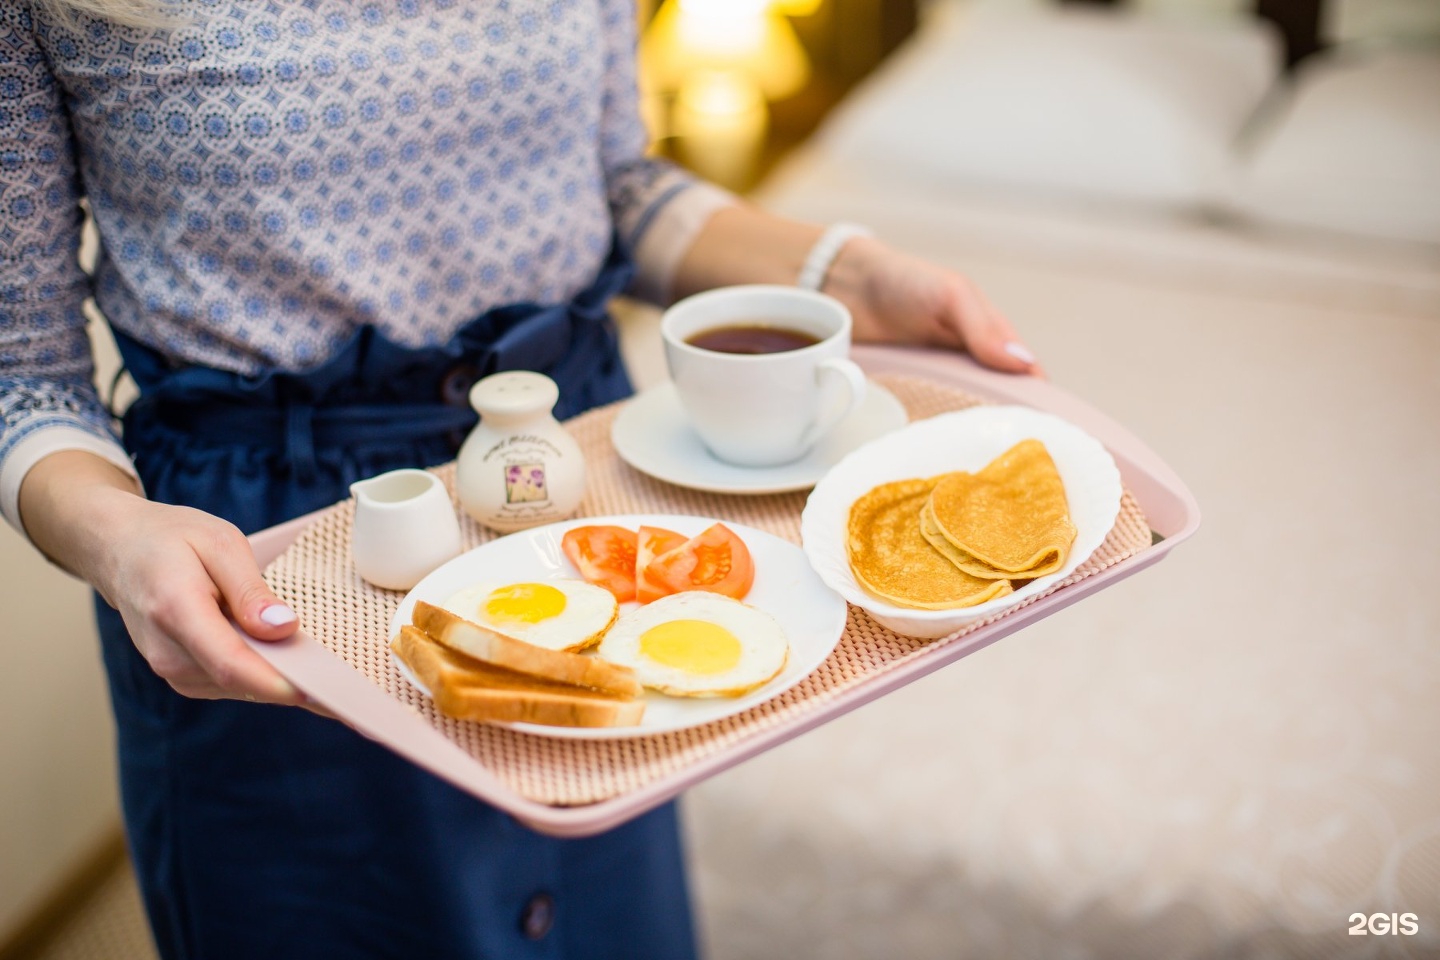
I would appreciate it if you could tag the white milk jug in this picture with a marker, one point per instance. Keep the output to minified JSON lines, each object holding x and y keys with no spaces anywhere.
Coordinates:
{"x":404,"y":527}
{"x":518,"y":468}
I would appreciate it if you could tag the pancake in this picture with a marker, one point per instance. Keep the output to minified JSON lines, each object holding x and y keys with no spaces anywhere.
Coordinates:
{"x":891,"y":559}
{"x":1012,"y":516}
{"x":930,"y":530}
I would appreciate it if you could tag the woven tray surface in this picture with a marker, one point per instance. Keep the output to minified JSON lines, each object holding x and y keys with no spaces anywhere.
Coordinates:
{"x":351,"y":619}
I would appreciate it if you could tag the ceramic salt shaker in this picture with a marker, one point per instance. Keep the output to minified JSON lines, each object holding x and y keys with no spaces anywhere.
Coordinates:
{"x":518,"y":468}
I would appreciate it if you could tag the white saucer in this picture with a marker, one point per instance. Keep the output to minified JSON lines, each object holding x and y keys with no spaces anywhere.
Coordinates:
{"x":652,"y":435}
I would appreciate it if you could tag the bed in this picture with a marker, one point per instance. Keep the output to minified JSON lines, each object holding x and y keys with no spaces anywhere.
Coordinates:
{"x":1234,"y":754}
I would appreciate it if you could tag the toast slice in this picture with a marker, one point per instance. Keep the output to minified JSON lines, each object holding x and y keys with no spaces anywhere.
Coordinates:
{"x":469,"y":689}
{"x":498,"y":650}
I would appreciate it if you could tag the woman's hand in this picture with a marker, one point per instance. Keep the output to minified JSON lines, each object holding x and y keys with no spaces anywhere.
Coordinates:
{"x":896,"y":298}
{"x":173,"y":573}
{"x":893,"y":297}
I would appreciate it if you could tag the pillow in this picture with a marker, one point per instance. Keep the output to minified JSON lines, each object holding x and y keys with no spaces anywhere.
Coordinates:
{"x":1354,"y":148}
{"x":1087,"y":101}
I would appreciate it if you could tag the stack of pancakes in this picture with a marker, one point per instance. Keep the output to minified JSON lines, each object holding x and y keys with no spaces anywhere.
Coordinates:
{"x":961,"y":539}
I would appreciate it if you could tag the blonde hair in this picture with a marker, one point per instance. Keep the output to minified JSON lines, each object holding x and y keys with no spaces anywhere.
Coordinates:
{"x":129,"y":13}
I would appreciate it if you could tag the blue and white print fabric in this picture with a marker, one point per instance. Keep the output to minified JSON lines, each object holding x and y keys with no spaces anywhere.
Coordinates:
{"x":269,"y":174}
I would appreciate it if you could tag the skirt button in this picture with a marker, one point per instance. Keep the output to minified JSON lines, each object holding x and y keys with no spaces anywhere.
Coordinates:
{"x":455,"y":385}
{"x":538,"y":916}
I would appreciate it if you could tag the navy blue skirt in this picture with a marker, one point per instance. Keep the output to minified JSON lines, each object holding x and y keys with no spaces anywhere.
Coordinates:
{"x":260,"y":831}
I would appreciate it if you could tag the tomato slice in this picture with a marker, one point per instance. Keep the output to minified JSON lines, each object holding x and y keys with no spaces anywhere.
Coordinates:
{"x":716,"y":560}
{"x":605,"y":556}
{"x":651,"y":542}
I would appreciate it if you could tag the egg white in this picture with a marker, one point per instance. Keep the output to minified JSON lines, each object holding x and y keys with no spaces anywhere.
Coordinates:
{"x":764,"y":648}
{"x":588,"y":612}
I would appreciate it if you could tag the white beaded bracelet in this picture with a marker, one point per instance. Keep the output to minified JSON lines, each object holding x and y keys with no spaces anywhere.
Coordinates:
{"x":823,"y":254}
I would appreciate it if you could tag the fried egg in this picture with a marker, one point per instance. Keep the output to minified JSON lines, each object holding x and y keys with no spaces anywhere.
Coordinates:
{"x":556,"y":614}
{"x":698,"y":644}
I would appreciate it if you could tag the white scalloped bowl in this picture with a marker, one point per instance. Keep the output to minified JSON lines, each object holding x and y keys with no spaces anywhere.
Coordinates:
{"x":963,"y":440}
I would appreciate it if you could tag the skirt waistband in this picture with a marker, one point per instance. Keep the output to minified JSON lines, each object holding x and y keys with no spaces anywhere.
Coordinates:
{"x":374,"y":391}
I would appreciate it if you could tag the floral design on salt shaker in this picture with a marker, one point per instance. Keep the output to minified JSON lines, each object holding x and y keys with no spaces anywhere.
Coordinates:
{"x":519,"y":467}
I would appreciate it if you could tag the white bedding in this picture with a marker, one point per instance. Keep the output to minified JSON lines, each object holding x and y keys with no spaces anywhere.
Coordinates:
{"x":1224,"y":756}
{"x":1180,"y":248}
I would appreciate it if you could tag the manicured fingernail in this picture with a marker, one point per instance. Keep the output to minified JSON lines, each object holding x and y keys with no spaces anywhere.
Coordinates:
{"x":1018,"y":351}
{"x":277,"y":615}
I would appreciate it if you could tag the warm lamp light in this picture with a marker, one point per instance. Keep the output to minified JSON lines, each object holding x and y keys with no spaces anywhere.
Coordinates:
{"x":688,"y":37}
{"x":795,"y":8}
{"x":717,"y":63}
{"x":719,"y":119}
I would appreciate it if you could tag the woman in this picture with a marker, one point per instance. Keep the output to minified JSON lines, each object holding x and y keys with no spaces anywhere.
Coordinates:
{"x":320,"y":221}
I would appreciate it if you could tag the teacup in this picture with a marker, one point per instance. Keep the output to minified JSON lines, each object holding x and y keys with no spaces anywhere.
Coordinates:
{"x":767,"y":407}
{"x":405,"y":526}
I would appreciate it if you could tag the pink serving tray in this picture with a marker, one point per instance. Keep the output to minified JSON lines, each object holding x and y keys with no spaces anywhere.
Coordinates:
{"x":1167,"y":503}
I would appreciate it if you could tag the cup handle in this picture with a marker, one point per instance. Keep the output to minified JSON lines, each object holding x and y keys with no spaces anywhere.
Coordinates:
{"x":852,"y":378}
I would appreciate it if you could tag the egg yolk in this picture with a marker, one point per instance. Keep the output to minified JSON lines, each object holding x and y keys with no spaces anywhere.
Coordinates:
{"x":695,"y":646}
{"x":523,"y":603}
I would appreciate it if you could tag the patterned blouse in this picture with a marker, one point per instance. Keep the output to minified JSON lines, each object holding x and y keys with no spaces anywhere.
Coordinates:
{"x":269,"y":174}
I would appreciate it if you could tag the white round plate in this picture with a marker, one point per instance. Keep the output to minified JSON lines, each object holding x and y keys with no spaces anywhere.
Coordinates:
{"x":811,"y":614}
{"x":963,"y":440}
{"x":653,"y":436}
